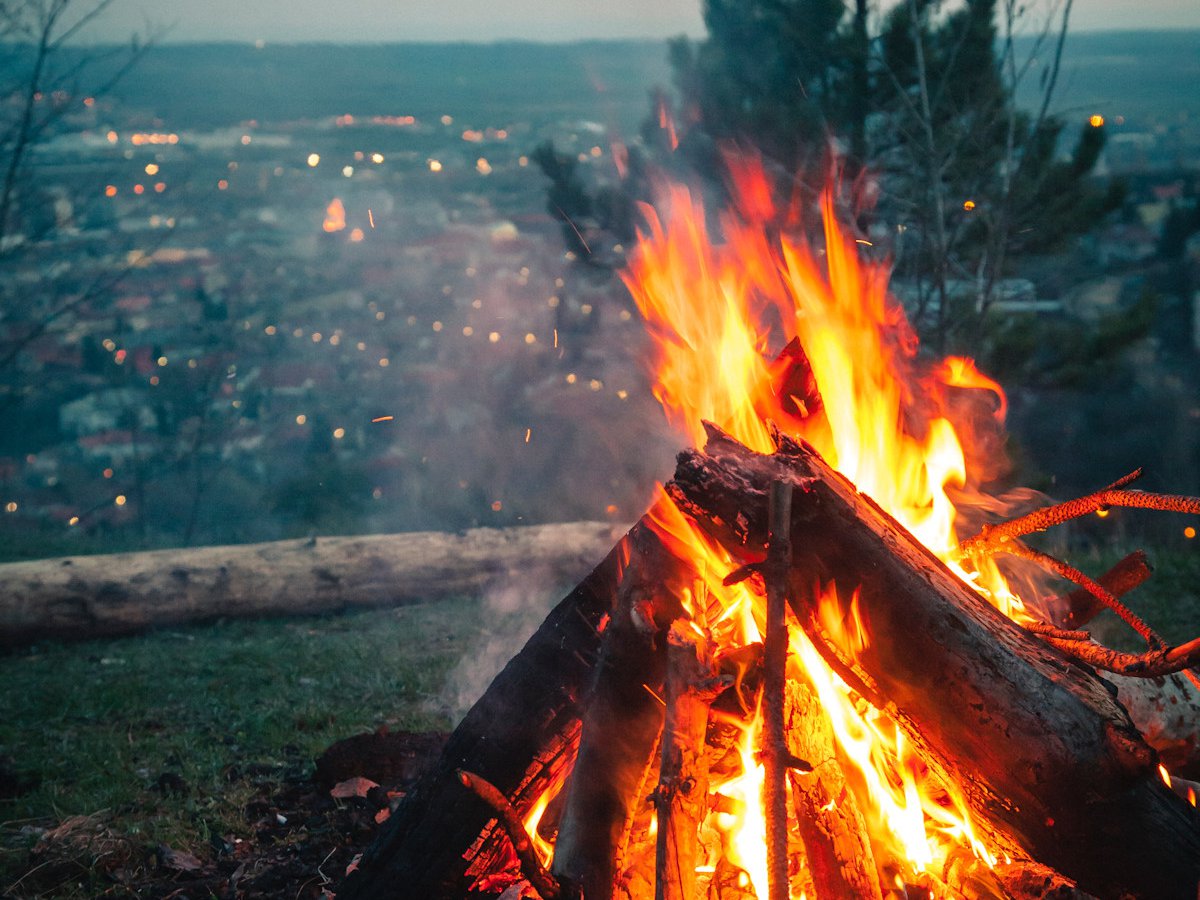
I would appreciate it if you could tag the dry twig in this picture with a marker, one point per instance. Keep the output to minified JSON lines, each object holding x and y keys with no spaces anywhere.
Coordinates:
{"x":1069,"y":572}
{"x":1002,"y":537}
{"x":775,"y":649}
{"x":1151,"y":664}
{"x":1080,"y":606}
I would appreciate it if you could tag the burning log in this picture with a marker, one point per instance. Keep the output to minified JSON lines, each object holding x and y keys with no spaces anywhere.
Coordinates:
{"x":681,"y":797}
{"x":1046,"y":759}
{"x":592,"y":665}
{"x":1031,"y":881}
{"x":521,"y":736}
{"x":840,"y":859}
{"x":621,"y":726}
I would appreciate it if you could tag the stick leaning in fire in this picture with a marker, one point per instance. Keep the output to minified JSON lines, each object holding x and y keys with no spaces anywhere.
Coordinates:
{"x":547,"y":886}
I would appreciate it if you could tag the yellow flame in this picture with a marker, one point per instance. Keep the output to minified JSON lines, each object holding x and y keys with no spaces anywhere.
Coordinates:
{"x":543,"y":848}
{"x":848,"y":383}
{"x":743,"y":825}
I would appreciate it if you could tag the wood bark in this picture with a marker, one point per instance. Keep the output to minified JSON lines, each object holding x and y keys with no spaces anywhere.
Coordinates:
{"x":96,"y":596}
{"x":840,"y":860}
{"x":622,"y":720}
{"x":521,"y":736}
{"x":682,"y":793}
{"x":1166,"y":711}
{"x":1049,"y":763}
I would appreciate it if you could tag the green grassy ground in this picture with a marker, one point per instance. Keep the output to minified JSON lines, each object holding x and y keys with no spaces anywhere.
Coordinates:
{"x":1169,"y":601}
{"x":160,"y":731}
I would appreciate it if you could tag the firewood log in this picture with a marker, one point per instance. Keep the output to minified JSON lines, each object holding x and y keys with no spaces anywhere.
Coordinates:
{"x":1166,"y":711}
{"x":124,"y":593}
{"x":622,"y":719}
{"x":682,"y":793}
{"x":840,"y":859}
{"x":521,"y":736}
{"x":1048,"y":762}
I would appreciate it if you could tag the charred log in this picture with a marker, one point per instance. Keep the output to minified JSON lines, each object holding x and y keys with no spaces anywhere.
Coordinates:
{"x":622,"y":720}
{"x":1048,"y":761}
{"x":521,"y":736}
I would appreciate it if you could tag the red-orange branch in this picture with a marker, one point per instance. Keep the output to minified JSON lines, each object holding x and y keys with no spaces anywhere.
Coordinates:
{"x":1080,"y":606}
{"x":1150,"y":664}
{"x":993,"y":537}
{"x":1069,"y":572}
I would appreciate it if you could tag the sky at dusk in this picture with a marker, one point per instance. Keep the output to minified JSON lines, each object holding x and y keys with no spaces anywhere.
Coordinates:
{"x":475,"y":20}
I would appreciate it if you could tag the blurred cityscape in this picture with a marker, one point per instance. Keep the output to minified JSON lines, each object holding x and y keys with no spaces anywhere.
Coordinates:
{"x":277,"y":291}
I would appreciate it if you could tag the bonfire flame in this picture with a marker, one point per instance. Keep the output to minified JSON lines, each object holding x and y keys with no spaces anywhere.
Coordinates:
{"x":720,"y":314}
{"x":762,"y":334}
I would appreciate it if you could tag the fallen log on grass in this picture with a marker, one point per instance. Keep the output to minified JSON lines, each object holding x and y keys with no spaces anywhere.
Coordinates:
{"x":125,"y":593}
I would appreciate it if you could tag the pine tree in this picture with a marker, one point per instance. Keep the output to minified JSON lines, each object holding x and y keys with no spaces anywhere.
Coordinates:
{"x":925,"y":108}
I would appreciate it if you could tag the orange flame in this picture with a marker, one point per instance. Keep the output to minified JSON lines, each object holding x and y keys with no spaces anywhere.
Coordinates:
{"x":848,"y":382}
{"x":543,"y":848}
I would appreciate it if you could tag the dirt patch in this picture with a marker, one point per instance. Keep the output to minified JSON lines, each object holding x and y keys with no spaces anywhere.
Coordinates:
{"x":302,"y":833}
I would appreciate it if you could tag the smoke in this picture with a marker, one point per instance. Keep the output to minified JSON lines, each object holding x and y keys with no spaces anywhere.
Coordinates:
{"x":512,"y":610}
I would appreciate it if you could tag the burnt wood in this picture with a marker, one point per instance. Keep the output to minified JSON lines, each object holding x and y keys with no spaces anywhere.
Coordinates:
{"x":1049,"y":763}
{"x":622,"y":719}
{"x":521,"y":736}
{"x":681,"y":797}
{"x":841,"y":861}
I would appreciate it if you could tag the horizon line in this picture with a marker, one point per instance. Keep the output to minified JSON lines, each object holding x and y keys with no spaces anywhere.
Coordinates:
{"x":263,"y":43}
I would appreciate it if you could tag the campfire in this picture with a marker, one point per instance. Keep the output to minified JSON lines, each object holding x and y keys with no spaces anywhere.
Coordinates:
{"x":826,"y":663}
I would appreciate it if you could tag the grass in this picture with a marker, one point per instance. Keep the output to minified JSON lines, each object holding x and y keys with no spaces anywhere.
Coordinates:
{"x":160,"y":732}
{"x":1169,"y":602}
